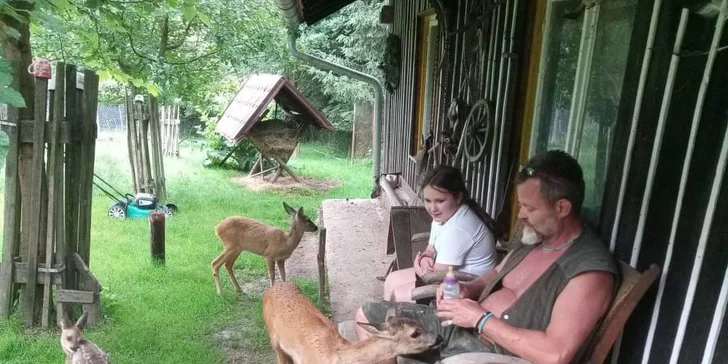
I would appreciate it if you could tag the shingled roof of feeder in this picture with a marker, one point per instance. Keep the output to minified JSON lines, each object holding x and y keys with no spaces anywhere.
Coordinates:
{"x":250,"y":102}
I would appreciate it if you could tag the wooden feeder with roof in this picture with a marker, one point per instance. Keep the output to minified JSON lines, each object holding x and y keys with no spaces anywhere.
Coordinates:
{"x":275,"y":139}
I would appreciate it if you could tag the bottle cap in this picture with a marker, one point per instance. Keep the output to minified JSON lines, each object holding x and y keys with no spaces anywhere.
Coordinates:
{"x":450,"y":276}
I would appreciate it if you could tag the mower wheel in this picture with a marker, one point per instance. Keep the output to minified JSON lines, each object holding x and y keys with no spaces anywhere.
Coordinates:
{"x":117,"y":211}
{"x":167,"y":212}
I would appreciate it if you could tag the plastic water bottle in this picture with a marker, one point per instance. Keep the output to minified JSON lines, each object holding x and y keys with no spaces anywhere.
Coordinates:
{"x":451,"y":288}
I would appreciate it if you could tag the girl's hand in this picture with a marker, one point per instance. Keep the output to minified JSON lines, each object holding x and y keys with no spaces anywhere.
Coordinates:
{"x":427,"y":264}
{"x":416,"y":265}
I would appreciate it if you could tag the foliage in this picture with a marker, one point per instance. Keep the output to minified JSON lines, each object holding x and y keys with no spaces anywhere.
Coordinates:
{"x":200,"y":51}
{"x":7,"y":94}
{"x":354,"y":38}
{"x":243,"y":155}
{"x":171,"y":48}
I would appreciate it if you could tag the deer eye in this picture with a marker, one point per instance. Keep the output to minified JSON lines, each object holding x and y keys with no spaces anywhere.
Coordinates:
{"x":68,"y":338}
{"x":415,"y":334}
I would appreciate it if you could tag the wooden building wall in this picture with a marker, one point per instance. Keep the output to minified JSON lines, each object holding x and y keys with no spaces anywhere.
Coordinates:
{"x":488,"y":175}
{"x":696,"y":273}
{"x":691,"y":263}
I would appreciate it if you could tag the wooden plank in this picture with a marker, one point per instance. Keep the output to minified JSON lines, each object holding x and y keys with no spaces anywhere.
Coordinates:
{"x":88,"y":146}
{"x":321,"y":260}
{"x":73,"y":296}
{"x":287,"y":169}
{"x":131,"y":141}
{"x":401,"y":233}
{"x":20,"y":273}
{"x":56,"y":230}
{"x":71,"y":182}
{"x":157,"y":154}
{"x":27,"y":303}
{"x":69,"y":131}
{"x":11,"y":213}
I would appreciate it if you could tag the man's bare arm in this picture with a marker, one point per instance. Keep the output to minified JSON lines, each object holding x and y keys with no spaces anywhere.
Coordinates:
{"x":581,"y":304}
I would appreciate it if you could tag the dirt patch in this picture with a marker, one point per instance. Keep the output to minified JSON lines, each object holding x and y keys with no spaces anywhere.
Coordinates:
{"x":286,"y":184}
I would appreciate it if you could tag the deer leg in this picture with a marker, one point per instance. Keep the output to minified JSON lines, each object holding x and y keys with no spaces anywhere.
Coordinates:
{"x":282,"y":357}
{"x":271,"y":270}
{"x":229,"y":262}
{"x":282,"y":269}
{"x":216,"y":270}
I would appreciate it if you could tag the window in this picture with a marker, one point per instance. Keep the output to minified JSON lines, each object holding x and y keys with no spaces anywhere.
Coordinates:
{"x":583,"y":61}
{"x":427,"y":50}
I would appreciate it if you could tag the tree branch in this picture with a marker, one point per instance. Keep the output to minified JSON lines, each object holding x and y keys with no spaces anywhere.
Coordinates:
{"x":184,"y":37}
{"x":164,"y":37}
{"x":131,"y":41}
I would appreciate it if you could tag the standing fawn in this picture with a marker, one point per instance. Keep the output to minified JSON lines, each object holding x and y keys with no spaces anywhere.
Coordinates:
{"x":301,"y":334}
{"x":239,"y":234}
{"x":79,"y":350}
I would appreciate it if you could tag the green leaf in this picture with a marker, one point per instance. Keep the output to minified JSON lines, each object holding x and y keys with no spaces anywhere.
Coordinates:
{"x":60,"y":4}
{"x":47,"y":19}
{"x":188,"y":11}
{"x":105,"y":75}
{"x":172,"y":4}
{"x":11,"y":97}
{"x":11,"y":32}
{"x":204,"y":18}
{"x":153,"y":89}
{"x":137,"y":82}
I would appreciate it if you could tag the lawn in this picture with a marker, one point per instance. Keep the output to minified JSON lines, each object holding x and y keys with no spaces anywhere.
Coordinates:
{"x":171,"y":314}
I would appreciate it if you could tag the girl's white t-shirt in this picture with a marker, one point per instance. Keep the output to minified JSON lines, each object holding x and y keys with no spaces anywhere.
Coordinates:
{"x":464,"y":241}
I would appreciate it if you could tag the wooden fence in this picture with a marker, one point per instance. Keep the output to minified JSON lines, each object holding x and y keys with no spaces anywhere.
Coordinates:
{"x":144,"y":138}
{"x":169,"y":116}
{"x":48,"y":192}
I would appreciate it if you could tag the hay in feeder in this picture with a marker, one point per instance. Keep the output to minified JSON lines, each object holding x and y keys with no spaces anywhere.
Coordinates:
{"x":275,"y":138}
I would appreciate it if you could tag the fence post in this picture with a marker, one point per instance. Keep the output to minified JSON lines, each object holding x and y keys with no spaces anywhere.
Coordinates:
{"x":156,"y":236}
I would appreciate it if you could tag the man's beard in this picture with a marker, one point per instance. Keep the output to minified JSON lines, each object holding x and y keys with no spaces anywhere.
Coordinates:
{"x":530,"y":236}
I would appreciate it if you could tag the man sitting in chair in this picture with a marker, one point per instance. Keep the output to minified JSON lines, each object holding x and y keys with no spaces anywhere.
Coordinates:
{"x":543,"y":302}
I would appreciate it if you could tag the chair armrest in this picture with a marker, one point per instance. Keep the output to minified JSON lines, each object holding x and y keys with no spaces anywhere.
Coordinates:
{"x":420,"y":237}
{"x":438,"y":277}
{"x":482,"y":358}
{"x":428,"y":291}
{"x":432,"y":282}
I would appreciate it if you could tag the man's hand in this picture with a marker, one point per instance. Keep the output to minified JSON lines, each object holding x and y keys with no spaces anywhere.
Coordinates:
{"x":463,"y":312}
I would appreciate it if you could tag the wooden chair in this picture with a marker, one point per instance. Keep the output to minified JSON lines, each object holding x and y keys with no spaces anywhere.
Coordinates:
{"x":631,"y":290}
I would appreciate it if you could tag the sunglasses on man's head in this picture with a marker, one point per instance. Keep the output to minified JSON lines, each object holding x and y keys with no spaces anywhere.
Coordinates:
{"x":532,"y":172}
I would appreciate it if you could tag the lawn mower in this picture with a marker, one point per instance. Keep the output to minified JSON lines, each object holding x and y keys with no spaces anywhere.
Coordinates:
{"x":127,"y":205}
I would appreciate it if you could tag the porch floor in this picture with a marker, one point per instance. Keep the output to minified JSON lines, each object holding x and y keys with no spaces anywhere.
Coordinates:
{"x":356,"y":237}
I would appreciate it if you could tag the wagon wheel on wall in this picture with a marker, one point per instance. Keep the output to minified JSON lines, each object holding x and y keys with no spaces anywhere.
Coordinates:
{"x":476,"y":132}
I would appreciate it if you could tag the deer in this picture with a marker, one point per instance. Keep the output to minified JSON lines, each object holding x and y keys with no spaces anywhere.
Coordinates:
{"x":239,"y":233}
{"x":77,"y":349}
{"x":299,"y":333}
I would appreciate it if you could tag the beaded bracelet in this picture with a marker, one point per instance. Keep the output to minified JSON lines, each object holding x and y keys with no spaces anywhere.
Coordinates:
{"x":482,"y":321}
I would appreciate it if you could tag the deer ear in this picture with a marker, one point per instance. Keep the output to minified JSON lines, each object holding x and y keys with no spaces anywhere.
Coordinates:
{"x":290,"y":210}
{"x":300,"y":210}
{"x":64,"y":323}
{"x":81,"y":323}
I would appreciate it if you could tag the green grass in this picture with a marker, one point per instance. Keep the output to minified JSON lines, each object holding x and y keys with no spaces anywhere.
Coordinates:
{"x":171,"y":314}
